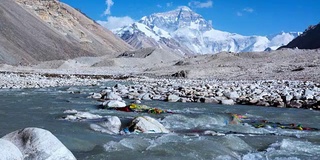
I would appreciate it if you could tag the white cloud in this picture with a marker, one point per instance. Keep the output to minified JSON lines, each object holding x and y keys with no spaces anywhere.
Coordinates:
{"x":116,"y":22}
{"x":249,"y":10}
{"x":245,"y":10}
{"x":198,"y":4}
{"x":109,"y":4}
{"x":159,"y":6}
{"x":169,"y":4}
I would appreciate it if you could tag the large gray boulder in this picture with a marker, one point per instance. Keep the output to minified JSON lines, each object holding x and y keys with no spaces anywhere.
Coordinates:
{"x":111,"y":126}
{"x":146,"y":124}
{"x":9,"y":151}
{"x":38,"y":144}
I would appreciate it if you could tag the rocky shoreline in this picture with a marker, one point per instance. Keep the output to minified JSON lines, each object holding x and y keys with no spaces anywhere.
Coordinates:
{"x":269,"y":93}
{"x":273,"y":93}
{"x":20,"y":80}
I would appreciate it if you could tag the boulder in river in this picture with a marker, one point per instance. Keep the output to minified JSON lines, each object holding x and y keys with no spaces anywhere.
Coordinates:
{"x":112,"y":96}
{"x":112,"y":125}
{"x":146,"y":124}
{"x":36,"y":143}
{"x":9,"y":151}
{"x":114,"y":104}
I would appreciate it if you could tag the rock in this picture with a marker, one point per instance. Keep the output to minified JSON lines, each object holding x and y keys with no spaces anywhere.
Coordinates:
{"x":219,"y":94}
{"x":173,"y":98}
{"x":124,"y":91}
{"x":232,"y":95}
{"x":227,"y":102}
{"x":112,"y":96}
{"x":119,"y":86}
{"x":81,"y":116}
{"x":297,"y":95}
{"x":137,"y":102}
{"x":289,"y":98}
{"x":181,"y":74}
{"x":9,"y":151}
{"x":36,"y":143}
{"x":254,"y":100}
{"x":111,"y":126}
{"x":96,"y":96}
{"x":156,"y":97}
{"x":295,"y":104}
{"x":146,"y":124}
{"x":209,"y":100}
{"x":73,"y":90}
{"x":145,"y":96}
{"x":257,"y":91}
{"x":114,"y":104}
{"x":213,"y":133}
{"x":262,"y":103}
{"x":308,"y":94}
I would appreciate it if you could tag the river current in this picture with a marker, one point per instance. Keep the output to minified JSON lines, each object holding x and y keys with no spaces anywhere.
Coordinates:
{"x":44,"y":108}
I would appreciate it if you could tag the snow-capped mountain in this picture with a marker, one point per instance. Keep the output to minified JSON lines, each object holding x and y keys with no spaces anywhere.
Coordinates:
{"x":189,"y":33}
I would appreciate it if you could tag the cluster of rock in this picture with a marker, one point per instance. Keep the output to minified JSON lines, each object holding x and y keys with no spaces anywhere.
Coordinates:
{"x":294,"y":94}
{"x":113,"y":125}
{"x":19,"y":80}
{"x":33,"y":143}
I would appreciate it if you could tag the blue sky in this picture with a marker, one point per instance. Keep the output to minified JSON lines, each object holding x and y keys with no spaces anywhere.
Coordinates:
{"x":246,"y":17}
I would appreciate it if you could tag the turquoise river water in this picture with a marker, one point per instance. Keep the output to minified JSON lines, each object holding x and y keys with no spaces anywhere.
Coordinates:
{"x":44,"y":108}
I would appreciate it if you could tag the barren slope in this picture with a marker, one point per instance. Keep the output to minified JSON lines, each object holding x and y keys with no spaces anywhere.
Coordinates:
{"x":49,"y":30}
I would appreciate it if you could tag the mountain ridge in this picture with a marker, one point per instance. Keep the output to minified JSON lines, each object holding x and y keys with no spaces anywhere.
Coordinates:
{"x":309,"y":39}
{"x":192,"y":32}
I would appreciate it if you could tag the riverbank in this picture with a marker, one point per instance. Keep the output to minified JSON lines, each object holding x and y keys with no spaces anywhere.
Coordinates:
{"x":273,"y":93}
{"x":269,"y":93}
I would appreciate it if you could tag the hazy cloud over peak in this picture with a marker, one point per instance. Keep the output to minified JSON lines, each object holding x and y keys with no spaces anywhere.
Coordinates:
{"x":198,"y":4}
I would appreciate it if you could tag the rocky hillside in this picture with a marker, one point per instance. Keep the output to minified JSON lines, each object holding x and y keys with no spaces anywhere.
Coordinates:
{"x":33,"y":31}
{"x":310,"y":39}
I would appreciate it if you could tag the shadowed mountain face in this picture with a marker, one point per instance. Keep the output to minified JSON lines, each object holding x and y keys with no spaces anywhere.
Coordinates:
{"x":33,"y":31}
{"x":310,"y":39}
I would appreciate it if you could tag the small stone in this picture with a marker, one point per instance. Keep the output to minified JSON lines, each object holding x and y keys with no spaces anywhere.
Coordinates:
{"x":96,"y":96}
{"x":232,"y":95}
{"x":114,"y":104}
{"x":112,"y":96}
{"x":227,"y":102}
{"x":173,"y":98}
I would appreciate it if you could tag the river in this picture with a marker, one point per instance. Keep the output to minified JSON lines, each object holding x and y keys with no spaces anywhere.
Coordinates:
{"x":44,"y":108}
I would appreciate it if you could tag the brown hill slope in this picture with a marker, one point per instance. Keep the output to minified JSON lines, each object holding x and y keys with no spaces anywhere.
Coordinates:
{"x":33,"y":31}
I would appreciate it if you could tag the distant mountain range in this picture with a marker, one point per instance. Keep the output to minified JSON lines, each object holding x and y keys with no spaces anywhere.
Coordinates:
{"x":185,"y":31}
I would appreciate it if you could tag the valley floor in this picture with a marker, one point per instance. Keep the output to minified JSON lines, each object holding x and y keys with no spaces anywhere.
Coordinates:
{"x":285,"y":78}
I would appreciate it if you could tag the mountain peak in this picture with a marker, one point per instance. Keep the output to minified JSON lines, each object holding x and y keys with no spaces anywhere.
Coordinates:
{"x":182,"y":17}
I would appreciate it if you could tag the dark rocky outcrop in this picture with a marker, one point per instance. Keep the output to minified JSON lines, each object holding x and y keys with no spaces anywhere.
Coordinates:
{"x":310,"y":39}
